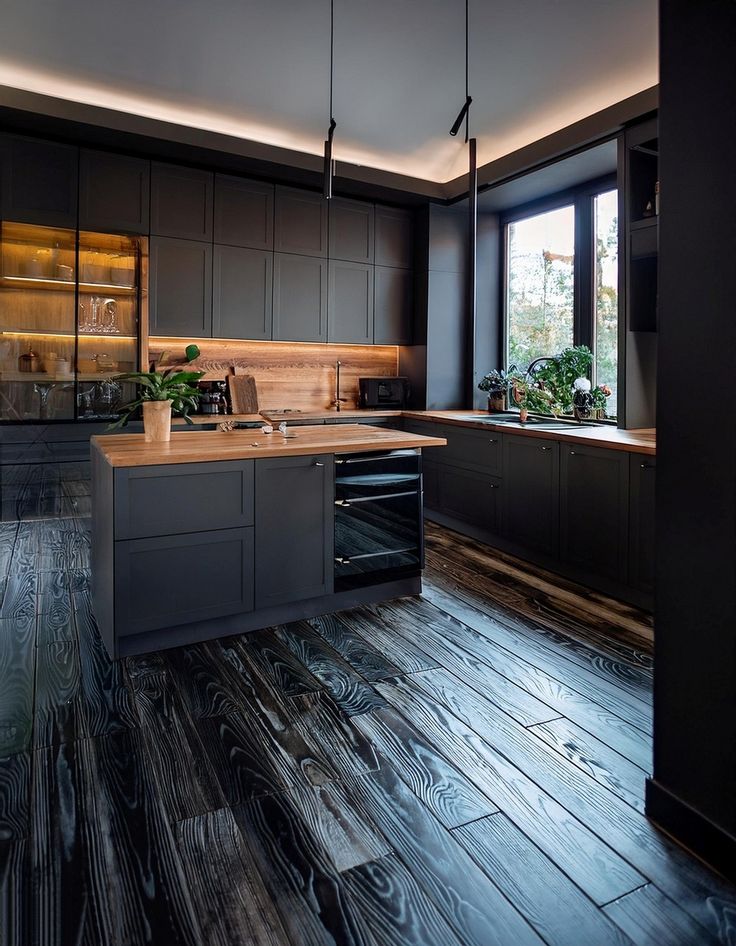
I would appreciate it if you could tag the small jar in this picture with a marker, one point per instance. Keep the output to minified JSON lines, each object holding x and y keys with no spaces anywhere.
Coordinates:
{"x":29,"y":361}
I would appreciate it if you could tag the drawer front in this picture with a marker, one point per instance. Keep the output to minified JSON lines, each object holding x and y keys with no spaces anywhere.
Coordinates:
{"x":474,"y":449}
{"x":156,"y":579}
{"x":470,"y":497}
{"x":184,"y":497}
{"x":427,"y":429}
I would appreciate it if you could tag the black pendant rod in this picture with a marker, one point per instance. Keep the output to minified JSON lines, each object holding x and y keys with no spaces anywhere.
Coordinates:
{"x":327,"y":170}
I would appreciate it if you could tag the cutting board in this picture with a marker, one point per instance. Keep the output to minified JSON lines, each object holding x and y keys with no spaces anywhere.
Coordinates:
{"x":243,"y":393}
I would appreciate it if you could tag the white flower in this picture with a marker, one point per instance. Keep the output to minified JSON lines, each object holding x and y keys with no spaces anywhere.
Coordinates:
{"x":582,"y":384}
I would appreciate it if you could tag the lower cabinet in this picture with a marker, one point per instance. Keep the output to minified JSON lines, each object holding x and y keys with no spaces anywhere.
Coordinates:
{"x":594,"y":513}
{"x":642,"y":475}
{"x":531,"y":489}
{"x":294,"y":529}
{"x":156,"y":586}
{"x":469,"y":496}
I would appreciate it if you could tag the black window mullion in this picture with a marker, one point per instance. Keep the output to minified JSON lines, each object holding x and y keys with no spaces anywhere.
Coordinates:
{"x":584,"y":272}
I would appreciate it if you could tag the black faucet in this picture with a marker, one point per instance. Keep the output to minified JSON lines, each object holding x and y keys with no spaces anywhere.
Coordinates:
{"x":338,"y":400}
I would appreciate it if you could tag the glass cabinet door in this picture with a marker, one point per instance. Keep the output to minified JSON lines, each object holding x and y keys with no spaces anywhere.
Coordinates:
{"x":37,"y":323}
{"x":108,"y":316}
{"x":69,"y":322}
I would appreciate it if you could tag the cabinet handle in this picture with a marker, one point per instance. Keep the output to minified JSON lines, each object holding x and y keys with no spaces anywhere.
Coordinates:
{"x":572,"y":453}
{"x":342,"y":502}
{"x":492,"y":440}
{"x":317,"y":463}
{"x":493,"y":486}
{"x":545,"y":448}
{"x":341,"y":560}
{"x":647,"y":466}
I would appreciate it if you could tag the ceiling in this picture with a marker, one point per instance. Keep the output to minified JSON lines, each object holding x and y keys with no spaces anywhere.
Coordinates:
{"x":259,"y":69}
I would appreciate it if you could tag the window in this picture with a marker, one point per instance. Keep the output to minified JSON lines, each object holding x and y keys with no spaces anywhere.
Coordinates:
{"x":561,"y":282}
{"x":605,"y":339}
{"x":540,"y":285}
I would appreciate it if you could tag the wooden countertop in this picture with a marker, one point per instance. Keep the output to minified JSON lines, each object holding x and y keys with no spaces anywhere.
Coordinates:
{"x":275,"y":417}
{"x":126,"y":450}
{"x":642,"y":440}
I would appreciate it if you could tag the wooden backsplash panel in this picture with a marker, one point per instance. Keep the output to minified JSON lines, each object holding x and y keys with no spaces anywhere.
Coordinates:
{"x":289,"y":375}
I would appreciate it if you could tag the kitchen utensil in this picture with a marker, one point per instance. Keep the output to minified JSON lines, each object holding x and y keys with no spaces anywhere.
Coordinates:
{"x":29,"y":361}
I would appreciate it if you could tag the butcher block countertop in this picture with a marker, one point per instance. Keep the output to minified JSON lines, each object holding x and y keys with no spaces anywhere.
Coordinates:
{"x":130,"y":450}
{"x":642,"y":440}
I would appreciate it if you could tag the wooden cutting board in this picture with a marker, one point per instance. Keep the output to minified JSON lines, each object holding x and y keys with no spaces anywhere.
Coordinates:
{"x":243,"y":393}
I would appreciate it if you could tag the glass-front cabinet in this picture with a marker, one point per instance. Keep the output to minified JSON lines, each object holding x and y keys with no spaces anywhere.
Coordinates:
{"x":70,"y":313}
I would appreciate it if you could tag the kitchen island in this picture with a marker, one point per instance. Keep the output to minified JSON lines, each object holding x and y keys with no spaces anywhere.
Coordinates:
{"x":217,"y":533}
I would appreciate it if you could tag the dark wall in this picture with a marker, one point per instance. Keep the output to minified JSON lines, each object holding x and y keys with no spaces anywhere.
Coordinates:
{"x":694,"y":788}
{"x":489,"y":312}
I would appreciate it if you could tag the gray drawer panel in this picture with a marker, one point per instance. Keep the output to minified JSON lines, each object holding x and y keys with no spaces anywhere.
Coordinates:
{"x":185,"y":497}
{"x":156,"y":582}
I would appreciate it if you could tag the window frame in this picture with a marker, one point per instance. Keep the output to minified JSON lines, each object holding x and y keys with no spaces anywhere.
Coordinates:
{"x":582,"y":199}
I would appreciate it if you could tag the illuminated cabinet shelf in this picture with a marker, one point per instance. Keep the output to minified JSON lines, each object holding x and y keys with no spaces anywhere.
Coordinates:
{"x":70,"y":311}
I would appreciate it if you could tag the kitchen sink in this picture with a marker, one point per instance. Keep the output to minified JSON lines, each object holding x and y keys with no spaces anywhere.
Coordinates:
{"x":540,"y":423}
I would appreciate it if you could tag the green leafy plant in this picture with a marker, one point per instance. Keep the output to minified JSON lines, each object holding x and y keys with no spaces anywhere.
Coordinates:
{"x":558,"y":375}
{"x":496,"y":382}
{"x":171,"y":384}
{"x":528,"y":393}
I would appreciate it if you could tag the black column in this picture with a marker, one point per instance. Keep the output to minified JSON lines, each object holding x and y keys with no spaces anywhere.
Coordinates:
{"x":693,"y":790}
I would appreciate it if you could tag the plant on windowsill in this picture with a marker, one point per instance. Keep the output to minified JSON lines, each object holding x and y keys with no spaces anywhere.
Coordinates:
{"x":529,"y":394}
{"x":159,"y":394}
{"x":496,"y":384}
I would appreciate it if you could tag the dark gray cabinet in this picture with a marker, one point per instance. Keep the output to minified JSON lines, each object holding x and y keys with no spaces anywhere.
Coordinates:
{"x":478,"y":450}
{"x":243,"y":212}
{"x":299,"y":298}
{"x":393,"y":306}
{"x":531,"y":490}
{"x":242,"y":293}
{"x":154,"y":586}
{"x":394,"y":237}
{"x":39,"y":181}
{"x":294,"y":529}
{"x":114,"y":192}
{"x":594,"y":509}
{"x":351,"y":230}
{"x":167,"y":500}
{"x":181,"y":202}
{"x":642,"y":479}
{"x":469,"y":496}
{"x":180,"y":288}
{"x":350,"y":302}
{"x":300,"y":222}
{"x":431,"y":484}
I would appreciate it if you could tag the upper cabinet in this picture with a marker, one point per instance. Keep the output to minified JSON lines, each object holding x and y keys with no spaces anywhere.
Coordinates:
{"x":394,"y":237}
{"x":350,"y":305}
{"x":181,"y":202}
{"x":180,"y":288}
{"x":301,"y":222}
{"x":352,"y":230}
{"x":39,"y":181}
{"x":299,"y":298}
{"x":242,"y":292}
{"x":394,"y":306}
{"x":243,"y":212}
{"x":114,"y":192}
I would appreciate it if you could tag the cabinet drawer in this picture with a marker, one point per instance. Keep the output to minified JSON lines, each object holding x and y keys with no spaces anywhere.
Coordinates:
{"x":474,"y":449}
{"x":469,"y":496}
{"x":185,"y":497}
{"x":156,"y":579}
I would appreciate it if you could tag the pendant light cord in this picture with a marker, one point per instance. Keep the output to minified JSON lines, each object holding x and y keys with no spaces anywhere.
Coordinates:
{"x":467,"y":68}
{"x":332,"y":51}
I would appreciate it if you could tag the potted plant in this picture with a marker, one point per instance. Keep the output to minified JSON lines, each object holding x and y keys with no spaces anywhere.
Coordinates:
{"x":161,"y":392}
{"x":530,"y":395}
{"x":496,"y":384}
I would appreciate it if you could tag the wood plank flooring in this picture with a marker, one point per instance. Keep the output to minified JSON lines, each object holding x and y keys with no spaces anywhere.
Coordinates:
{"x":464,"y":768}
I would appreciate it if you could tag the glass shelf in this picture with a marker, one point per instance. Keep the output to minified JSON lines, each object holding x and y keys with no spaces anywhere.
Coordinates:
{"x":67,"y":285}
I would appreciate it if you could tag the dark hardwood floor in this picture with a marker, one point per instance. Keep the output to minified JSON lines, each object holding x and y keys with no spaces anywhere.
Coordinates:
{"x":465,"y":768}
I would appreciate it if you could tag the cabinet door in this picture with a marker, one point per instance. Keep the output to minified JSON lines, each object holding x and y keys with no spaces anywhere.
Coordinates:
{"x":301,"y":222}
{"x":180,"y":287}
{"x":641,"y":523}
{"x":394,"y":237}
{"x":156,"y":582}
{"x":39,"y":181}
{"x":114,"y":192}
{"x":430,"y":484}
{"x":299,"y":298}
{"x":394,"y":306}
{"x":351,"y":230}
{"x":594,"y":509}
{"x":294,"y":529}
{"x":473,"y":449}
{"x":181,"y":202}
{"x":530,"y":496}
{"x":243,"y":212}
{"x":242,"y":293}
{"x":350,"y":305}
{"x":469,"y":496}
